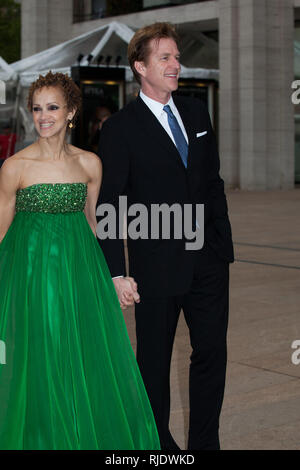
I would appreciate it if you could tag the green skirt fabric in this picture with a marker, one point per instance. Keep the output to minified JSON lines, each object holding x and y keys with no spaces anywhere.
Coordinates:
{"x":68,"y":378}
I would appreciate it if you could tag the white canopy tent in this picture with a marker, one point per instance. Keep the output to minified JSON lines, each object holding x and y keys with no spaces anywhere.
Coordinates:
{"x":8,"y":80}
{"x":7,"y":72}
{"x":108,"y":40}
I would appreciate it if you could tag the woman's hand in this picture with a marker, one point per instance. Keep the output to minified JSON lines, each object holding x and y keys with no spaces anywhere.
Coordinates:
{"x":127,"y":292}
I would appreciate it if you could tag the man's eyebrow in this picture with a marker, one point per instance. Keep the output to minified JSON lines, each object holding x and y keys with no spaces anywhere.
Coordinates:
{"x":169,"y":53}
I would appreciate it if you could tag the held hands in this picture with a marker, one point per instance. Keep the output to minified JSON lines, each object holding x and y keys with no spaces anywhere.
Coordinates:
{"x":127,"y":293}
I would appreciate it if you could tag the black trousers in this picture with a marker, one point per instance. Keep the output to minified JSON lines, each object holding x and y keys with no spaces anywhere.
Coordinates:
{"x":205,"y":308}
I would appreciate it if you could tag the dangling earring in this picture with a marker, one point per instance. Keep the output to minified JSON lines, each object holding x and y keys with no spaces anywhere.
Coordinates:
{"x":70,"y":125}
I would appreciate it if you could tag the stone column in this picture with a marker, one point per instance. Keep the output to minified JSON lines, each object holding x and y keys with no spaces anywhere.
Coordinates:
{"x":45,"y":23}
{"x":34,"y":29}
{"x":229,"y":91}
{"x":60,"y":20}
{"x":280,"y":110}
{"x":253,"y":83}
{"x":256,"y":113}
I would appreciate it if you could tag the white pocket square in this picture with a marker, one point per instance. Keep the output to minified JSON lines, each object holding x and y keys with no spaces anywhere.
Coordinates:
{"x":200,"y":134}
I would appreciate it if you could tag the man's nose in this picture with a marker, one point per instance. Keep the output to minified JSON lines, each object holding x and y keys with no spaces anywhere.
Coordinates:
{"x":176,"y":62}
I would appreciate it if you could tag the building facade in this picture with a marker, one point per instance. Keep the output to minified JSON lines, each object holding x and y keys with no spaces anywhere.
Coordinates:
{"x":255,"y":56}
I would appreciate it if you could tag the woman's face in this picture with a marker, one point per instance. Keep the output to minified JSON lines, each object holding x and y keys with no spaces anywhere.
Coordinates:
{"x":49,"y":110}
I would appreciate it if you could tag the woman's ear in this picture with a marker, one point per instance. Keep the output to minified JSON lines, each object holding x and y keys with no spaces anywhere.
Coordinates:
{"x":71,"y":114}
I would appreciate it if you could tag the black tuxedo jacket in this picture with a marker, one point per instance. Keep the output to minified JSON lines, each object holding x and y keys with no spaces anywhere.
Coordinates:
{"x":140,"y":161}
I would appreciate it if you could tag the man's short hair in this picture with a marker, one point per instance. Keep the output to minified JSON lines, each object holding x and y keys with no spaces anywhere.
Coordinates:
{"x":138,"y":48}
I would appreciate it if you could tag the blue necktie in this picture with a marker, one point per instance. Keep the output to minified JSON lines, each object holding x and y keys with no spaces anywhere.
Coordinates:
{"x":179,"y":138}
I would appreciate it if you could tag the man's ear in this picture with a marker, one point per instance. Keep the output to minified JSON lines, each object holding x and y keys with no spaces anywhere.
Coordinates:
{"x":140,"y":67}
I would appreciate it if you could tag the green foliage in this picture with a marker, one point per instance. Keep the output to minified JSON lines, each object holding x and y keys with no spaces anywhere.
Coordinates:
{"x":10,"y":30}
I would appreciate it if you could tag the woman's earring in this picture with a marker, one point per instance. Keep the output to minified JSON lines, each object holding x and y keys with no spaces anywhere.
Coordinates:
{"x":70,"y":125}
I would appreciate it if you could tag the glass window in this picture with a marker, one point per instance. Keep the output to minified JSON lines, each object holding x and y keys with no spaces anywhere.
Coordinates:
{"x":98,"y":8}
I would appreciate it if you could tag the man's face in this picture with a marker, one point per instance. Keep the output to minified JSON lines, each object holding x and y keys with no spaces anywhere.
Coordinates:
{"x":159,"y":75}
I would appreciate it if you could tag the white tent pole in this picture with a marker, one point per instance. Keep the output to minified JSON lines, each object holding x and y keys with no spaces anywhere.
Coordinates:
{"x":21,"y":65}
{"x":123,"y":31}
{"x":6,"y":67}
{"x":101,"y":43}
{"x":15,"y":116}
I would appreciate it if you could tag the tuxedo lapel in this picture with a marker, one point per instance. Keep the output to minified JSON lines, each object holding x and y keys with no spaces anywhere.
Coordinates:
{"x":154,"y":130}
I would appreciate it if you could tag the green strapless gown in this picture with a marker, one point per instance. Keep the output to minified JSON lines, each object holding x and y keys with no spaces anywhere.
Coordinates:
{"x":68,"y":378}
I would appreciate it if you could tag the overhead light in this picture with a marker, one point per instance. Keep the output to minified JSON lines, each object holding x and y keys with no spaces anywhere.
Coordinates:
{"x":99,"y":59}
{"x":90,"y":58}
{"x":79,"y":58}
{"x":108,"y":59}
{"x":118,"y":60}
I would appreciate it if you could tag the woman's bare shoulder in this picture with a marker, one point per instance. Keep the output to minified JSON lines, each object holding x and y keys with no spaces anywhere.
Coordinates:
{"x":89,"y":160}
{"x":27,"y":153}
{"x":14,"y":166}
{"x":11,"y":171}
{"x":84,"y":154}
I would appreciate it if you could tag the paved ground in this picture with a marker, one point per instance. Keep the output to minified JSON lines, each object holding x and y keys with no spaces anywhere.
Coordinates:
{"x":262,"y":398}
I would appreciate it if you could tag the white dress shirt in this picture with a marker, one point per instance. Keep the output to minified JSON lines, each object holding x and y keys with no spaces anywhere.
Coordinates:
{"x":157,"y":109}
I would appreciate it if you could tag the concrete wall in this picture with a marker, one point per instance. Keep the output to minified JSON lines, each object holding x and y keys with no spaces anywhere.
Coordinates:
{"x":256,"y":113}
{"x":44,"y":24}
{"x":206,"y":13}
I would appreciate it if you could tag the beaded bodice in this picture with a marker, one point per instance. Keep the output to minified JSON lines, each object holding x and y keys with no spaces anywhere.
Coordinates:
{"x":52,"y":197}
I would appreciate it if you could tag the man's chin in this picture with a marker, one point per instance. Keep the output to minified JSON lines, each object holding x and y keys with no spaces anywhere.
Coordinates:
{"x":174,"y":87}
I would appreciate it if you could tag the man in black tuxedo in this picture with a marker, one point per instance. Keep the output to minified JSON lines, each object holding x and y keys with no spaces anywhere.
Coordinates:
{"x":162,"y":149}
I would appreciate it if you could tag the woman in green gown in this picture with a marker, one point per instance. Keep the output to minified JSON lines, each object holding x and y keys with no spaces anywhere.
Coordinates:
{"x":68,"y":374}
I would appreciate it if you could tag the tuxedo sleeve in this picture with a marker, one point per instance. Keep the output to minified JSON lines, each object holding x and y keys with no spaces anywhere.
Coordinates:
{"x":115,"y":160}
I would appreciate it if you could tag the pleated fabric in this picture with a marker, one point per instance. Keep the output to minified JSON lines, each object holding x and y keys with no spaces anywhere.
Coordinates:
{"x":70,"y":378}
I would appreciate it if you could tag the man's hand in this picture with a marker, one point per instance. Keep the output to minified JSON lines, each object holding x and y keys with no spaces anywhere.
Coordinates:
{"x":127,"y":293}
